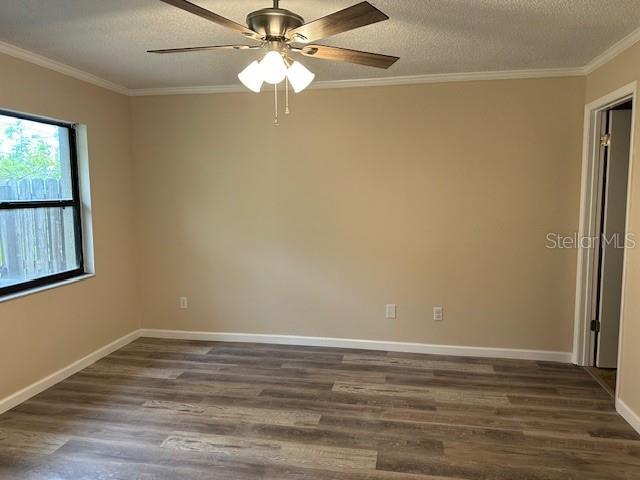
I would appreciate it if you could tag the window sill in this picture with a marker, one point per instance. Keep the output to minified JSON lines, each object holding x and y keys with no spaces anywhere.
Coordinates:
{"x":62,"y":283}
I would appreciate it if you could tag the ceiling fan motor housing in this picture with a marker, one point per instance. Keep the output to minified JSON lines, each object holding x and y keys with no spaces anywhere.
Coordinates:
{"x":277,"y":29}
{"x":273,"y":23}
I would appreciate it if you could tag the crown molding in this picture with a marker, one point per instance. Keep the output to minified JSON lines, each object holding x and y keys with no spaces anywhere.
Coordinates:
{"x":148,"y":92}
{"x":59,"y":67}
{"x":454,"y":77}
{"x":377,"y":82}
{"x":613,"y":51}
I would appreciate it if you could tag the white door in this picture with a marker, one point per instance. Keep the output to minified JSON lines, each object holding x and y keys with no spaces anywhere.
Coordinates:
{"x":613,"y":237}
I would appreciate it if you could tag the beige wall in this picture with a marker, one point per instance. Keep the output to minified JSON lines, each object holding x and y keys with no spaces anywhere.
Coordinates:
{"x":622,"y":70}
{"x":415,"y":195}
{"x":42,"y":333}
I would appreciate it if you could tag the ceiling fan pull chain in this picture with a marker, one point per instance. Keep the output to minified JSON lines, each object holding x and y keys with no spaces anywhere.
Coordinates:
{"x":286,"y":96}
{"x":275,"y":117}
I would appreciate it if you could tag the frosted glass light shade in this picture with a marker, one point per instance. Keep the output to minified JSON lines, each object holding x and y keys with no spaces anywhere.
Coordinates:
{"x":273,"y":68}
{"x":299,"y":76}
{"x":251,"y":77}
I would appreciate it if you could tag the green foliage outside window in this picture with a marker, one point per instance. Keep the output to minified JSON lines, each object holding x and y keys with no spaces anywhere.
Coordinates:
{"x":27,"y":155}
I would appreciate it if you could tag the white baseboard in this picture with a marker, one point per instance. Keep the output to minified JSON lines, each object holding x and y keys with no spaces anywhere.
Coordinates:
{"x":629,"y":415}
{"x":26,"y":393}
{"x":551,"y":356}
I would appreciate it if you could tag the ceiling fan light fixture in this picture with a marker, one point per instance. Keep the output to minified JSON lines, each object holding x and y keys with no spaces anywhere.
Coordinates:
{"x":274,"y":70}
{"x":251,"y":77}
{"x":299,"y":76}
{"x":278,"y":30}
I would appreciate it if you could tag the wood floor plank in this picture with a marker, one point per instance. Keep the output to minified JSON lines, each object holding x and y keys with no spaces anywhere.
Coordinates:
{"x":238,"y":414}
{"x":141,"y":345}
{"x":107,"y":368}
{"x":495,"y":421}
{"x":113,"y":383}
{"x":31,"y":442}
{"x":166,"y":409}
{"x":331,"y":458}
{"x":418,"y":363}
{"x":345,"y":398}
{"x":434,"y":431}
{"x":15,"y":464}
{"x":274,"y":352}
{"x":561,"y":402}
{"x":83,"y":428}
{"x":99,"y":459}
{"x":494,"y":385}
{"x":436,"y":394}
{"x":482,"y":378}
{"x":163,"y":364}
{"x":492,"y":466}
{"x":313,"y":374}
{"x":262,"y":378}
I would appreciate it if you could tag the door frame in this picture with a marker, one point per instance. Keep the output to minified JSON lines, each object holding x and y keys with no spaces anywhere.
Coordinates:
{"x":583,"y":338}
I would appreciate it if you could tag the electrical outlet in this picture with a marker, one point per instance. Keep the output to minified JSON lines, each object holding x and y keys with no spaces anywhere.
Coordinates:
{"x":390,"y":311}
{"x":438,"y":314}
{"x":184,"y":303}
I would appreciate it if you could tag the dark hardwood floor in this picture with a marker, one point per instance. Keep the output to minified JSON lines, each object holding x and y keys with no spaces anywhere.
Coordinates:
{"x":166,"y":409}
{"x":606,"y":377}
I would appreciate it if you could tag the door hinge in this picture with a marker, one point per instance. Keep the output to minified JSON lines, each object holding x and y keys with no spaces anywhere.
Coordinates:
{"x":595,"y":326}
{"x":605,"y":140}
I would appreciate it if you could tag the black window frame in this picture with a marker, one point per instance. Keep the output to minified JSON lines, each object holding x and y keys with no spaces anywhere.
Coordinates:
{"x":74,"y":203}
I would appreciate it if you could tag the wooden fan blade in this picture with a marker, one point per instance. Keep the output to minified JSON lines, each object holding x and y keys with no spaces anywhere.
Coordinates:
{"x":203,"y":49}
{"x":213,"y":17}
{"x":348,"y":19}
{"x":345,"y":55}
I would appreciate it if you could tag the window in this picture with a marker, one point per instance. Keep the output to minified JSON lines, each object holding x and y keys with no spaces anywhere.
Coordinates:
{"x":40,"y":231}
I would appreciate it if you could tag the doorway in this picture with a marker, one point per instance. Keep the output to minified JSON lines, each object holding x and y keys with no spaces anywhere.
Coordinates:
{"x":615,"y":154}
{"x":603,"y":233}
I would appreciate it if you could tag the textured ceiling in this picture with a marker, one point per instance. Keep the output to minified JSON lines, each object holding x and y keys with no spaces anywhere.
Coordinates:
{"x":108,"y":38}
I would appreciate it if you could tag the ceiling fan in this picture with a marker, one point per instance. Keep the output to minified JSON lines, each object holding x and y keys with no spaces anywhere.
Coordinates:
{"x":279,"y":32}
